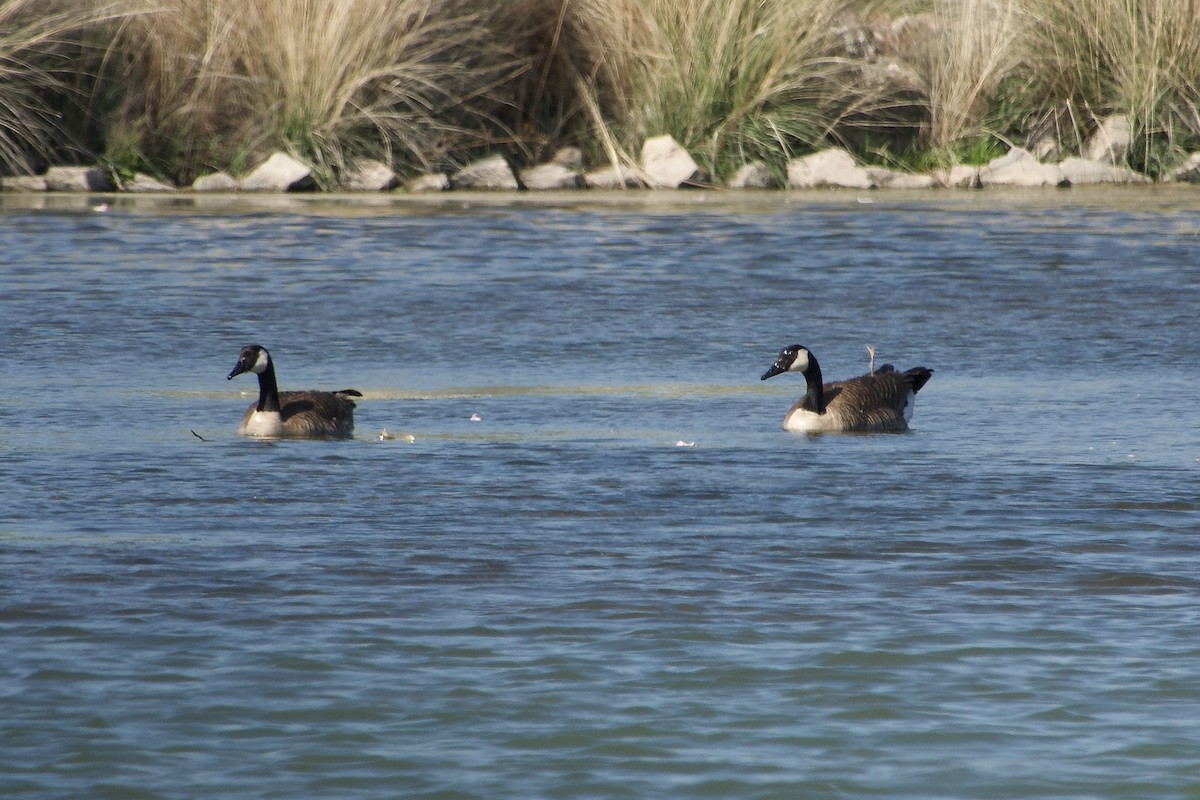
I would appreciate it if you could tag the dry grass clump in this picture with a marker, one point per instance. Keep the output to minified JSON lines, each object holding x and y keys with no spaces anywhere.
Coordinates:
{"x":1141,"y":58}
{"x":968,"y":50}
{"x":212,"y":83}
{"x":730,"y":79}
{"x":39,"y":69}
{"x":1015,"y":71}
{"x":187,"y":86}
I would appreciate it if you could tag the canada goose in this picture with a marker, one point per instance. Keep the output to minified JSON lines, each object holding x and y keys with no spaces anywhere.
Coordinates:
{"x":881,"y":400}
{"x":292,"y":415}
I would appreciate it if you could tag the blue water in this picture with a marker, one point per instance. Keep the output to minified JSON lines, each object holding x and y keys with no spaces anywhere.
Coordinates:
{"x":622,"y":578}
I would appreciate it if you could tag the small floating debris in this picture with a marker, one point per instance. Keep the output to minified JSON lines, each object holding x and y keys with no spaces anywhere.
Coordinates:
{"x":100,"y":209}
{"x":384,"y":436}
{"x":682,"y":443}
{"x":476,"y":418}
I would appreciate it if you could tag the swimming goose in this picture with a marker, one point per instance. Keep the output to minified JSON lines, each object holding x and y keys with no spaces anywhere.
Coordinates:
{"x":292,"y":415}
{"x":878,"y":401}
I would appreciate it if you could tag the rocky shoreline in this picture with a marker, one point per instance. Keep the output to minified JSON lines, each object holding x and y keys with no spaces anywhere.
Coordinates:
{"x":664,"y":164}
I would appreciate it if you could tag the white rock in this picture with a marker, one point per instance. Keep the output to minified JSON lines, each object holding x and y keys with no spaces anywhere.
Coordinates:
{"x":960,"y":176}
{"x":569,"y":157}
{"x":143,"y":183}
{"x":214,"y":182}
{"x":1018,"y":167}
{"x":431,"y":182}
{"x":488,"y":173}
{"x":668,"y":166}
{"x":551,"y":176}
{"x":893,"y":179}
{"x":370,"y":175}
{"x":754,"y":175}
{"x":1112,"y":141}
{"x":1047,"y":148}
{"x":1082,"y":170}
{"x":279,"y":173}
{"x":612,"y":177}
{"x":78,"y":179}
{"x":833,"y":167}
{"x":23,"y":183}
{"x":1187,"y":172}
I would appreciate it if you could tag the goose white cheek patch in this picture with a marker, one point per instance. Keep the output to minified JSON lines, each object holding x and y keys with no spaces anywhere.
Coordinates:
{"x":260,"y":363}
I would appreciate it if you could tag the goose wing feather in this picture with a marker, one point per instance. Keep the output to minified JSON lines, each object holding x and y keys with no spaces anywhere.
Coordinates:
{"x":308,"y":414}
{"x":874,"y":402}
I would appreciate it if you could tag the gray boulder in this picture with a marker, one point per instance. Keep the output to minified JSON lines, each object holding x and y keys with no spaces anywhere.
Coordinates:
{"x":215,"y":182}
{"x":492,"y":173}
{"x":1018,"y":167}
{"x":279,"y":173}
{"x":370,"y":175}
{"x":668,"y":166}
{"x":831,"y":168}
{"x":79,"y":179}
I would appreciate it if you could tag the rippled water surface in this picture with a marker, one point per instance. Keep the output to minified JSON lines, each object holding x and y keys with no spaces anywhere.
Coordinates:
{"x":585,"y":561}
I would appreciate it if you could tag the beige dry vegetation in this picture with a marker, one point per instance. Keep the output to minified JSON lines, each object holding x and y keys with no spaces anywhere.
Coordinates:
{"x":972,"y":47}
{"x":213,"y":83}
{"x":40,"y":57}
{"x":1140,"y":58}
{"x":731,"y":80}
{"x":181,"y":87}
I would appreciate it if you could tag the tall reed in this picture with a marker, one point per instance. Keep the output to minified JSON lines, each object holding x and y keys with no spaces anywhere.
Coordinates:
{"x":1140,"y":58}
{"x":730,"y":79}
{"x":971,"y":48}
{"x":191,"y":85}
{"x":209,"y":83}
{"x":40,"y":44}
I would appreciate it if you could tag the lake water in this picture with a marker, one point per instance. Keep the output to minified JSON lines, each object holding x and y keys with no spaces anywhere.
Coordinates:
{"x":590,"y":563}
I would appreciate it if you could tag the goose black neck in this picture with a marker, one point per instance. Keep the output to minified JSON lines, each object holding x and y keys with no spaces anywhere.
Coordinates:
{"x":268,"y":390}
{"x":814,"y":398}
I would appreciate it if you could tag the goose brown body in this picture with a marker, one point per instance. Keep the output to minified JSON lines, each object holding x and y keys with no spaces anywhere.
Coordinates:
{"x":876,"y":402}
{"x":291,"y":415}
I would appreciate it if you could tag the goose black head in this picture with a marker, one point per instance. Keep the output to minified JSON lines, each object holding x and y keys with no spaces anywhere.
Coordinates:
{"x":253,"y":358}
{"x":794,"y":358}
